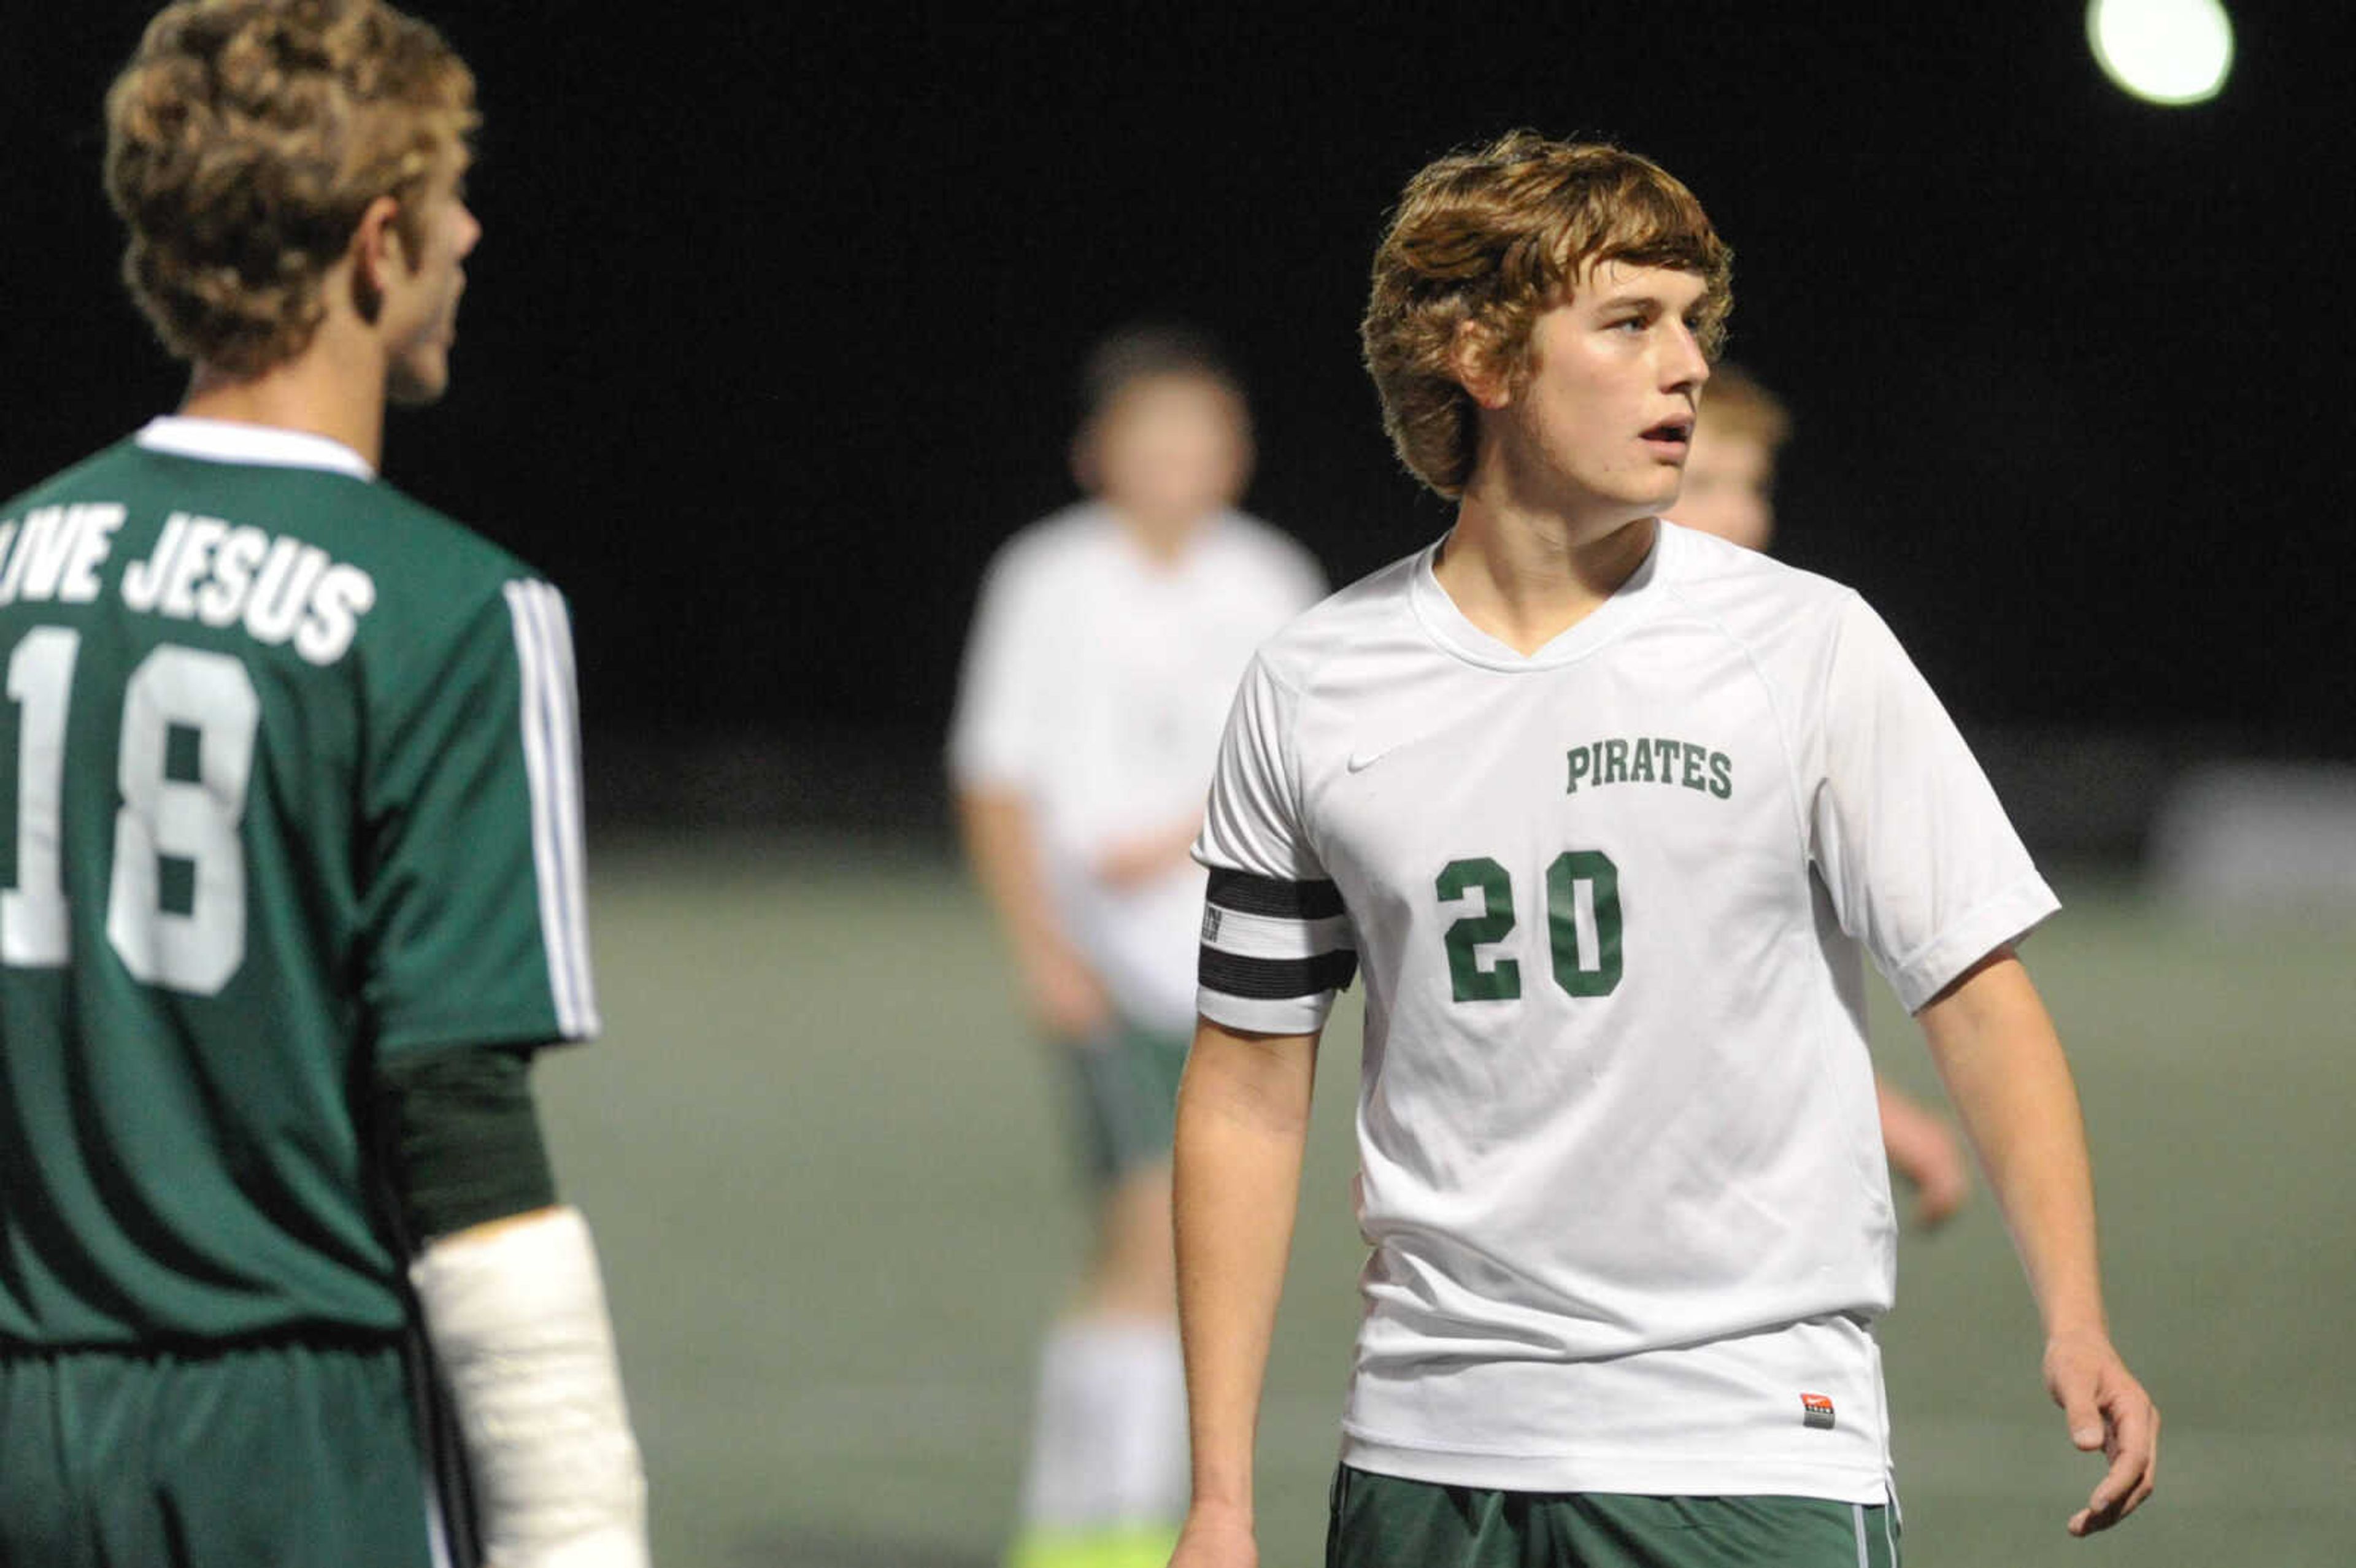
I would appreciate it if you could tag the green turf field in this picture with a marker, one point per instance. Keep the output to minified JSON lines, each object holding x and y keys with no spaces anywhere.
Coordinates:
{"x":822,"y":1154}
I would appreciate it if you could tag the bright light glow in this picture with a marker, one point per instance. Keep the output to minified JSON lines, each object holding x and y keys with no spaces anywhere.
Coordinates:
{"x":2171,"y":53}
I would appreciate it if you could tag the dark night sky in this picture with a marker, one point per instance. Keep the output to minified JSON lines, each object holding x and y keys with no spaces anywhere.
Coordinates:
{"x":770,"y":338}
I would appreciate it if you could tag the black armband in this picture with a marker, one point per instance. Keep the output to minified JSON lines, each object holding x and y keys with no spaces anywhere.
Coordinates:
{"x":462,"y":1138}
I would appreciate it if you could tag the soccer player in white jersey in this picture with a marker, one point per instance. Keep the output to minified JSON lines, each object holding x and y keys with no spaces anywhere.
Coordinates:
{"x":1105,"y":652}
{"x":1729,"y":490}
{"x":1606,"y":809}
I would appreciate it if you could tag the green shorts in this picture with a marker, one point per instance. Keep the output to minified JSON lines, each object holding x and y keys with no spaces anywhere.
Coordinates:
{"x":283,"y":1456}
{"x":1382,"y":1521}
{"x":1125,"y":1098}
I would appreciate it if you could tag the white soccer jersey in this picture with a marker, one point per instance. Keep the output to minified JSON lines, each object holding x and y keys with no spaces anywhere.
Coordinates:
{"x":1096,"y":681}
{"x":1621,"y":1167}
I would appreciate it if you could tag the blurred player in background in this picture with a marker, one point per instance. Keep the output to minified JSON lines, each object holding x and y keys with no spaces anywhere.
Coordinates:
{"x":1105,"y":650}
{"x":292,"y":881}
{"x":1607,"y":808}
{"x":1730,"y":480}
{"x":1729,"y":490}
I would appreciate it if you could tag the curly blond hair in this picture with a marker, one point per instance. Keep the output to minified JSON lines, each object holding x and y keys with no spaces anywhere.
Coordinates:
{"x":246,"y":138}
{"x":1495,"y":236}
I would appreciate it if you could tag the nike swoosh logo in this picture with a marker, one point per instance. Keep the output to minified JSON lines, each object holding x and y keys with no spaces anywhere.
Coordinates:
{"x":1361,"y":760}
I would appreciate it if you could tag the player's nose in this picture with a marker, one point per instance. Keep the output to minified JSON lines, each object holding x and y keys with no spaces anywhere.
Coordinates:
{"x":1684,"y":366}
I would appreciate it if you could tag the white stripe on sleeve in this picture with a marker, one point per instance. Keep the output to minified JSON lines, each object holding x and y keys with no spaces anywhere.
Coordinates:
{"x":552,"y":750}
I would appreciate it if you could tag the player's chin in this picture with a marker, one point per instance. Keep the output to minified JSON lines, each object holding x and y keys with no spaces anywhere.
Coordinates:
{"x":418,"y":379}
{"x":1651,"y":500}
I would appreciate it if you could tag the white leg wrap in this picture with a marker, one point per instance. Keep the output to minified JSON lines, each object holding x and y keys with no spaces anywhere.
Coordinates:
{"x":518,"y":1320}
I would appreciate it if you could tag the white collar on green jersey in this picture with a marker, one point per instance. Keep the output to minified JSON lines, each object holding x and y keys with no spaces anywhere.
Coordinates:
{"x":226,"y":440}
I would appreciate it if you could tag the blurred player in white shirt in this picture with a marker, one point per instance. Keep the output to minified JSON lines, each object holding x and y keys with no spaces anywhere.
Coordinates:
{"x":1105,"y":652}
{"x":1730,"y":491}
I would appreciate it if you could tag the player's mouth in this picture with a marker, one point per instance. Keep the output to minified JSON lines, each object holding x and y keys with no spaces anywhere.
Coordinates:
{"x":1671,"y":438}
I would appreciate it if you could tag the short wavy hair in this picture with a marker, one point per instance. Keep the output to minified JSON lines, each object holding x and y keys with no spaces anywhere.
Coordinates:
{"x":246,"y":138}
{"x":1739,"y":404}
{"x":1145,"y":350}
{"x":1495,"y":235}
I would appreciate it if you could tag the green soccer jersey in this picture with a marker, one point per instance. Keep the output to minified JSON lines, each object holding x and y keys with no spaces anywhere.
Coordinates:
{"x":288,"y":784}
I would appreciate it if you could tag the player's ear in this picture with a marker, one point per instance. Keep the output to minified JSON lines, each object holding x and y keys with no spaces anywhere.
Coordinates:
{"x":376,"y":249}
{"x":1247,"y":458}
{"x":1476,"y":359}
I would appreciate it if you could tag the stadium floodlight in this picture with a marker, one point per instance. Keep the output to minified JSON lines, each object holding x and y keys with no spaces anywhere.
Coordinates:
{"x":2169,"y":52}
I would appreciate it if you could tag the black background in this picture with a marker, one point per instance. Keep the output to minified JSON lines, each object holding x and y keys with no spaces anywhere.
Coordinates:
{"x":771,"y":336}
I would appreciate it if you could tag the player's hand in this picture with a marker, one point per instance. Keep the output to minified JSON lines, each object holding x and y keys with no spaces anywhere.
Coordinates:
{"x":1216,"y":1539}
{"x":2106,"y":1409}
{"x":1066,"y":997}
{"x":1926,"y":1152}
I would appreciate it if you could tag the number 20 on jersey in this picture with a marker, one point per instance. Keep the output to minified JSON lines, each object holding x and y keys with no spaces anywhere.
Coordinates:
{"x":1583,"y":926}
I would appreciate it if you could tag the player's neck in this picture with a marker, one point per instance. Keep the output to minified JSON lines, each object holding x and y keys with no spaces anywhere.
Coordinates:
{"x":334,"y":387}
{"x":1527,"y":577}
{"x":1164,"y":540}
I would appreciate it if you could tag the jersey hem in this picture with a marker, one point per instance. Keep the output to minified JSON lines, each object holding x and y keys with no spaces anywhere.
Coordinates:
{"x":1683,"y":1475}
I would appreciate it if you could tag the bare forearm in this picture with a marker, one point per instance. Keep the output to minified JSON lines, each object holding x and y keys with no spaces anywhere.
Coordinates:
{"x":1129,"y":861}
{"x":1066,"y":994}
{"x":1001,"y":846}
{"x":1243,"y":1118}
{"x":2005,"y":1073}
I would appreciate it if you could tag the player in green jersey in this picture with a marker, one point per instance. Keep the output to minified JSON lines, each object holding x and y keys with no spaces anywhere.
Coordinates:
{"x":290,"y":881}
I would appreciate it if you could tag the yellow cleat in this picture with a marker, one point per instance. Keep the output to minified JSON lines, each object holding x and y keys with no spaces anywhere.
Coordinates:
{"x":1124,"y":1546}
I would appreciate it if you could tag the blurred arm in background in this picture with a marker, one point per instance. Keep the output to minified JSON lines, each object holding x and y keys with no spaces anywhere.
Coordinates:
{"x":1001,"y":844}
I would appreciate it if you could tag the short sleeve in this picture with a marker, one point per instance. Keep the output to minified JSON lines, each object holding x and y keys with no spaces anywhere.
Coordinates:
{"x":474,"y":909}
{"x":1921,"y":864}
{"x":994,"y":736}
{"x":1276,"y":944}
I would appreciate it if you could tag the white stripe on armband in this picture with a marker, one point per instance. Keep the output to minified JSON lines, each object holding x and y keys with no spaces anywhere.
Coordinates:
{"x":1274,"y":937}
{"x":517,"y":1319}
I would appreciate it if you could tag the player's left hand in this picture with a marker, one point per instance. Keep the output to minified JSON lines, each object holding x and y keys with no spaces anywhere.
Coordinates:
{"x":2108,"y":1410}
